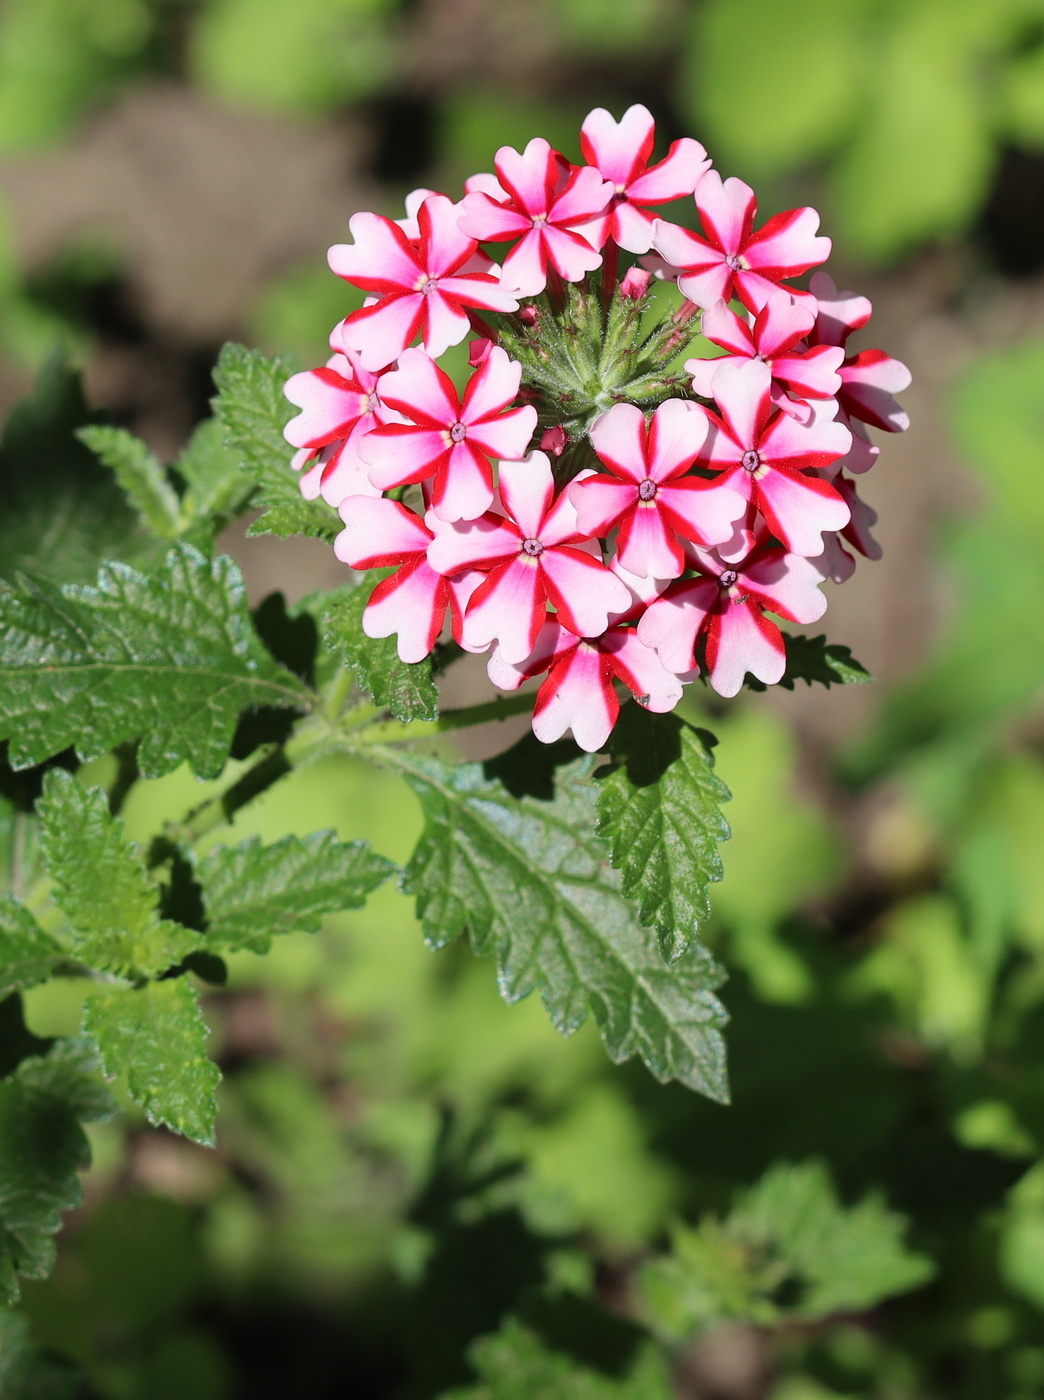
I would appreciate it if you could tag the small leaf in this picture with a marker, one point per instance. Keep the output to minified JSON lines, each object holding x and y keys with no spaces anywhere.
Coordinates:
{"x":816,"y":661}
{"x":41,"y":1108}
{"x":520,"y":1362}
{"x":405,"y":687}
{"x":659,"y":810}
{"x":169,"y":658}
{"x":142,"y":477}
{"x":252,"y":892}
{"x":531,"y":882}
{"x":102,"y":887}
{"x":253,"y":411}
{"x":788,"y":1249}
{"x":217,"y":488}
{"x":27,"y":954}
{"x":157,"y":1037}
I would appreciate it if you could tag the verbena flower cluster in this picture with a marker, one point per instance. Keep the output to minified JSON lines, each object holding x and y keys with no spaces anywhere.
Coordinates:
{"x":594,"y":507}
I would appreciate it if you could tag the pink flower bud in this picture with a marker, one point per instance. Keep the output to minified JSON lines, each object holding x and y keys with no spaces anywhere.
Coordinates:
{"x":555,"y":441}
{"x":478,"y":350}
{"x":635,"y":283}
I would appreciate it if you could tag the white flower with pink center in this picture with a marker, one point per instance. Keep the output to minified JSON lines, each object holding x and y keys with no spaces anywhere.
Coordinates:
{"x":534,"y":554}
{"x":620,"y":152}
{"x":732,"y":260}
{"x":767,"y":455}
{"x":772,"y":336}
{"x":446,"y":439}
{"x":649,"y":497}
{"x":546,"y":203}
{"x":412,"y":602}
{"x":726,"y":604}
{"x":422,"y":286}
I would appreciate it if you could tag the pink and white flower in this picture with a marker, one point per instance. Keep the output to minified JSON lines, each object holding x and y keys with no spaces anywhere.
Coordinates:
{"x":412,"y":602}
{"x":733,"y":260}
{"x":339,"y":405}
{"x":767,"y":456}
{"x":446,"y":438}
{"x":545,"y":206}
{"x":726,"y":604}
{"x":869,"y":380}
{"x":422,"y":286}
{"x":648,"y":496}
{"x":772,"y":336}
{"x":620,"y":152}
{"x":535,"y":554}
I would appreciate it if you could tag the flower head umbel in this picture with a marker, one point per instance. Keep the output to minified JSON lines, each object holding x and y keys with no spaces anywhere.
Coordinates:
{"x":667,"y":519}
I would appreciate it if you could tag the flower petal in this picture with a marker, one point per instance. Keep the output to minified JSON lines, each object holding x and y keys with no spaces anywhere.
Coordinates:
{"x":727,"y":210}
{"x":676,"y":433}
{"x":422,"y":390}
{"x":646,"y":545}
{"x":741,"y":639}
{"x":444,"y":245}
{"x":673,"y":622}
{"x":702,"y":511}
{"x":786,"y":584}
{"x":378,"y":334}
{"x":508,"y":607}
{"x":641,"y":670}
{"x":481,"y":543}
{"x":582,"y":589}
{"x":400,"y":454}
{"x":619,"y":438}
{"x":599,"y":502}
{"x":463,"y":486}
{"x":378,"y":532}
{"x":411,"y":603}
{"x":619,"y":150}
{"x":527,"y":488}
{"x":578,"y":695}
{"x":676,"y":175}
{"x":381,"y":259}
{"x":798,"y":508}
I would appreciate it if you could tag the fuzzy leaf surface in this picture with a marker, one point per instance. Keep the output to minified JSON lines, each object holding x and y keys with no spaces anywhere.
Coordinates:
{"x":42,"y":1149}
{"x":253,"y":411}
{"x":170,"y":658}
{"x":102,"y":887}
{"x":659,"y":808}
{"x":156,"y":1036}
{"x":406,"y":688}
{"x":27,"y":953}
{"x":252,"y":892}
{"x":531,"y":882}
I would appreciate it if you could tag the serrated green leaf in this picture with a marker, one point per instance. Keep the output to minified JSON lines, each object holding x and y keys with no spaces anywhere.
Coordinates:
{"x":517,"y":1363}
{"x":253,"y":411}
{"x":216,"y":487}
{"x":156,"y":1036}
{"x":102,"y":887}
{"x":63,"y":513}
{"x":659,"y":810}
{"x":252,"y":892}
{"x":531,"y":881}
{"x":170,"y":658}
{"x":788,"y":1249}
{"x":405,"y":687}
{"x":141,"y":476}
{"x":816,"y":661}
{"x":42,"y":1148}
{"x":27,"y":953}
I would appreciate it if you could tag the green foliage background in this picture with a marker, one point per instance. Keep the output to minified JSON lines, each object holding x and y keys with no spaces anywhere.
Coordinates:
{"x":417,"y":1189}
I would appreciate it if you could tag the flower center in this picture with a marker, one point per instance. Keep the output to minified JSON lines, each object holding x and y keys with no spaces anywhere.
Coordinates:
{"x":372,"y":402}
{"x":646,"y":489}
{"x":532,"y":548}
{"x":751,"y":461}
{"x":428,"y":285}
{"x":540,"y":221}
{"x":458,"y":432}
{"x":733,"y":261}
{"x":728,"y":578}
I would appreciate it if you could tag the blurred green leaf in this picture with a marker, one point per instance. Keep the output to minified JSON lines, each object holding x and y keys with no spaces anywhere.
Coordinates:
{"x":63,"y":513}
{"x":27,"y":954}
{"x":26,"y":1373}
{"x":305,"y":57}
{"x":44,"y":1148}
{"x":529,"y":880}
{"x":816,"y":661}
{"x":252,"y":892}
{"x":788,"y":1249}
{"x":102,"y":887}
{"x":170,"y":658}
{"x":781,"y":120}
{"x":253,"y":411}
{"x":406,"y":688}
{"x":156,"y":1036}
{"x":518,"y":1363}
{"x":659,"y":810}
